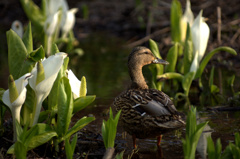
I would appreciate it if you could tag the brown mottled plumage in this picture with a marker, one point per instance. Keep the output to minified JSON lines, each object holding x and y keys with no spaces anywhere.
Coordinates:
{"x":146,"y":112}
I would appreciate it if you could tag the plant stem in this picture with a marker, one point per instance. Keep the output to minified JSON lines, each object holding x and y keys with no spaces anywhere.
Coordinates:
{"x":16,"y":118}
{"x":36,"y":109}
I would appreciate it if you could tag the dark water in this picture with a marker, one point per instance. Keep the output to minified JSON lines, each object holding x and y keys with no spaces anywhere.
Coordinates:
{"x":104,"y":65}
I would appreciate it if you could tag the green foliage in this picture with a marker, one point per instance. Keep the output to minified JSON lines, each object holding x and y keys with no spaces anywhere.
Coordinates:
{"x":81,"y":102}
{"x":193,"y":133}
{"x":70,"y":147}
{"x":32,"y":138}
{"x":155,"y":69}
{"x":209,"y":56}
{"x":176,"y":14}
{"x":231,"y":151}
{"x":172,"y":57}
{"x":60,"y":104}
{"x":214,"y":153}
{"x":109,"y":129}
{"x":34,"y":13}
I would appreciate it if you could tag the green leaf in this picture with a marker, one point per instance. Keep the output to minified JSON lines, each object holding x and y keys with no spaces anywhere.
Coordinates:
{"x":69,"y":151}
{"x":172,"y":58}
{"x":171,"y":75}
{"x":155,"y":69}
{"x":65,"y":107}
{"x":187,"y":81}
{"x":37,"y":54}
{"x":78,"y":126}
{"x":41,"y":139}
{"x":188,"y":51}
{"x":27,"y":38}
{"x":20,"y":150}
{"x":154,"y":48}
{"x":209,"y":56}
{"x":34,"y":13}
{"x":109,"y":129}
{"x":176,"y":14}
{"x":17,"y":54}
{"x":81,"y":102}
{"x":70,"y":147}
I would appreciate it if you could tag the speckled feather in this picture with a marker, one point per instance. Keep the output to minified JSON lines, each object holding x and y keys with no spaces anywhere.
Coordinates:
{"x":147,"y":112}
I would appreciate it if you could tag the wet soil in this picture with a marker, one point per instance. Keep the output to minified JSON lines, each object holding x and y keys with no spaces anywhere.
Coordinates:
{"x":123,"y":19}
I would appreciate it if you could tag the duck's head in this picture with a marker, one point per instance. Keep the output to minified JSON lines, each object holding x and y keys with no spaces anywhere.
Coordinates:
{"x":141,"y":56}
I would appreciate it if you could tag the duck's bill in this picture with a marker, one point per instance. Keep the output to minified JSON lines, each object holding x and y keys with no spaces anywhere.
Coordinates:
{"x":160,"y":61}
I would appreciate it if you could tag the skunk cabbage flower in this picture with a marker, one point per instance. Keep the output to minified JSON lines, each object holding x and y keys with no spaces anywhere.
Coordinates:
{"x":79,"y":88}
{"x":187,"y":17}
{"x":75,"y":84}
{"x":195,"y":63}
{"x":18,"y":28}
{"x":44,"y":75}
{"x":51,"y":24}
{"x":70,"y":21}
{"x":15,"y":96}
{"x":200,"y":36}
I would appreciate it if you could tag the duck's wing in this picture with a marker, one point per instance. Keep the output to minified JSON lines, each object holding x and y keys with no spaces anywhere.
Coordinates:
{"x":152,"y":102}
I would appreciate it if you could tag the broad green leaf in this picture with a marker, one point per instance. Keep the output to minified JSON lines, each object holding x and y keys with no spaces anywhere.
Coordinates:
{"x":172,"y":57}
{"x":188,"y":51}
{"x":17,"y":54}
{"x":20,"y":150}
{"x":81,"y":102}
{"x":27,"y":38}
{"x":237,"y":139}
{"x":209,"y":56}
{"x":33,"y":12}
{"x":54,"y":49}
{"x":155,"y":69}
{"x":187,"y":81}
{"x":78,"y":126}
{"x":154,"y":48}
{"x":37,"y":54}
{"x":41,"y":139}
{"x":176,"y":14}
{"x":65,"y":107}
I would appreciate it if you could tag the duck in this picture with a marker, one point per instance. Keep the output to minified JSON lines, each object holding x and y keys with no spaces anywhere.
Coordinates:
{"x":145,"y":112}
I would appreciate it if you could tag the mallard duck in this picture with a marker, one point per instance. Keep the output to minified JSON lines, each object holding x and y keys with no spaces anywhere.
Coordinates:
{"x":146,"y":113}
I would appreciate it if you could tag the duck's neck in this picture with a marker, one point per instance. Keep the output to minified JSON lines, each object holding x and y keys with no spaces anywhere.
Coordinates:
{"x":138,"y":80}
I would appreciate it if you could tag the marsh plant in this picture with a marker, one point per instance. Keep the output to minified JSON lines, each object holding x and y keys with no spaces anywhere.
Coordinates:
{"x":55,"y":20}
{"x":186,"y":57}
{"x":42,"y":96}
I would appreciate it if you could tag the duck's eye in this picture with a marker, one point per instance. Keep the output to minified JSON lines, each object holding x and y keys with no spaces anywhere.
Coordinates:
{"x":146,"y":52}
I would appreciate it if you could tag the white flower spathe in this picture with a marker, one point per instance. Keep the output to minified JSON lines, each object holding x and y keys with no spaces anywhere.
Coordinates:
{"x":18,"y":28}
{"x":70,"y":21}
{"x":200,"y":36}
{"x":16,"y":105}
{"x":51,"y":66}
{"x":75,"y":84}
{"x":21,"y":88}
{"x":187,"y":17}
